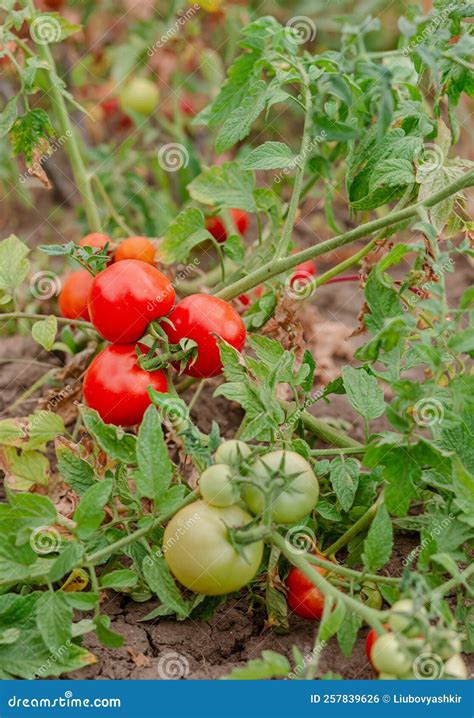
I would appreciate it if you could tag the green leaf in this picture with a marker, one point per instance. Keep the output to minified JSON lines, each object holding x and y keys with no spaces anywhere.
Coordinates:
{"x":363,"y":392}
{"x":10,"y":432}
{"x":108,"y":638}
{"x":54,"y":619}
{"x":182,"y":235}
{"x":462,"y":342}
{"x":90,"y":514}
{"x":66,"y":561}
{"x":8,"y":116}
{"x":463,"y":485}
{"x":76,"y":472}
{"x":347,"y":633}
{"x":391,"y":173}
{"x":379,"y":541}
{"x":14,"y":266}
{"x":25,"y":469}
{"x":26,"y":511}
{"x":119,"y":580}
{"x":155,"y":469}
{"x":332,"y":622}
{"x":234,"y":248}
{"x":31,"y":131}
{"x":270,"y":665}
{"x":116,"y":443}
{"x":269,"y":156}
{"x":44,"y":426}
{"x":226,"y":185}
{"x":158,"y":577}
{"x":44,"y":332}
{"x":344,"y":478}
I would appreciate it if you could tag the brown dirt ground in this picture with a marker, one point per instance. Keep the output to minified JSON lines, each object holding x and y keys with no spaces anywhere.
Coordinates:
{"x":236,"y":633}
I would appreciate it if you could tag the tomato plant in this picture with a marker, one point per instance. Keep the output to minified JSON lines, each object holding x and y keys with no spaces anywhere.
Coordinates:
{"x":176,"y":436}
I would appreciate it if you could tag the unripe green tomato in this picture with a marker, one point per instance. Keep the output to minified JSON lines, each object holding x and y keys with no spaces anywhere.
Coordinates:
{"x":216,"y":486}
{"x":387,"y":677}
{"x":402,"y":615}
{"x":140,"y":95}
{"x":456,"y":668}
{"x":232,"y":452}
{"x":448,"y":646}
{"x":200,"y":554}
{"x":388,"y":656}
{"x":298,"y":490}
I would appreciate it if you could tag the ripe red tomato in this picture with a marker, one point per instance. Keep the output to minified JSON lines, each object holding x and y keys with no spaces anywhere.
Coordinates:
{"x":303,"y":597}
{"x":114,"y":113}
{"x":304,"y":272}
{"x":126,"y":297}
{"x":201,"y":317}
{"x":97,"y":240}
{"x":116,"y":387}
{"x":216,"y":226}
{"x":74,"y":295}
{"x":370,"y":640}
{"x":136,"y":248}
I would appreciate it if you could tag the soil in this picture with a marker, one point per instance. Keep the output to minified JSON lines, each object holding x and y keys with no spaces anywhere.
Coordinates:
{"x":165,"y":648}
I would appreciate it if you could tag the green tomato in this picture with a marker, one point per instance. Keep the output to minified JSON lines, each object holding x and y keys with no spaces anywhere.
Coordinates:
{"x":448,"y":645}
{"x":387,"y":677}
{"x":403,"y":618}
{"x":232,"y":452}
{"x":456,"y":668}
{"x":200,"y":555}
{"x":216,"y":486}
{"x":296,"y":486}
{"x":140,"y":95}
{"x":388,"y":656}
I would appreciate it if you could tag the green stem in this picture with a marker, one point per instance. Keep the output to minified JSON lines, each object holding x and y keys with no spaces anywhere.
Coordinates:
{"x":103,"y":553}
{"x":361,"y":524}
{"x":278,"y":266}
{"x":459,"y":61}
{"x":66,"y":128}
{"x":323,"y":430}
{"x":60,"y":320}
{"x":370,"y":615}
{"x":299,"y":176}
{"x":111,"y":209}
{"x":351,"y":573}
{"x":341,"y":451}
{"x":346,"y":264}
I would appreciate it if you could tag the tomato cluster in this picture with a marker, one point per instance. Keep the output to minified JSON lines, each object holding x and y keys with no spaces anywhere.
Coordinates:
{"x":121,"y":301}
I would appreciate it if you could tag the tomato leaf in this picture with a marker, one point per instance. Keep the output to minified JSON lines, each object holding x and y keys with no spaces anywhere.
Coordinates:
{"x":363,"y":392}
{"x":269,"y":156}
{"x":113,"y":440}
{"x":270,"y":665}
{"x":122,"y":579}
{"x":379,"y":541}
{"x":44,"y":332}
{"x":66,"y":561}
{"x":344,"y":478}
{"x":89,"y":514}
{"x":54,"y":619}
{"x":161,"y":582}
{"x":14,"y":266}
{"x":155,"y":469}
{"x":226,"y":185}
{"x":76,"y":472}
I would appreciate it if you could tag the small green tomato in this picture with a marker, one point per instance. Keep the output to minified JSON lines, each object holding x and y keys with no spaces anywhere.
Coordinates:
{"x":140,"y":95}
{"x":388,"y":655}
{"x":231,"y":452}
{"x":456,"y":668}
{"x":403,"y":618}
{"x":216,"y":486}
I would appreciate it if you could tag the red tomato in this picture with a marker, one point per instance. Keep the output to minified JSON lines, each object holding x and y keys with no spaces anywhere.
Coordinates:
{"x":369,"y":642}
{"x":116,"y":387}
{"x":97,"y":240}
{"x":136,"y":248}
{"x":74,"y":295}
{"x":201,"y":317}
{"x":114,"y":113}
{"x":216,"y":226}
{"x":303,"y":597}
{"x":304,"y":272}
{"x":187,"y":104}
{"x":126,"y":297}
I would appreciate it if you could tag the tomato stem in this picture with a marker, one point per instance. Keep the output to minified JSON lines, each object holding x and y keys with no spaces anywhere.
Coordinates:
{"x":361,"y":524}
{"x":370,"y":615}
{"x":279,"y":266}
{"x":61,"y":320}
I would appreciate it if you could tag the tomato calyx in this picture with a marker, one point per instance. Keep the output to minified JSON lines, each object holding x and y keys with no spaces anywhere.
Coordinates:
{"x":184,"y":353}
